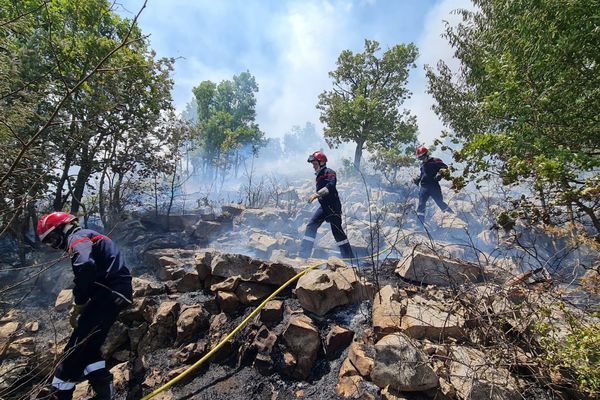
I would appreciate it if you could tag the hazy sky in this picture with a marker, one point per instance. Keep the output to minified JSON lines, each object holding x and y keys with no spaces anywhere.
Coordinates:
{"x":290,"y":46}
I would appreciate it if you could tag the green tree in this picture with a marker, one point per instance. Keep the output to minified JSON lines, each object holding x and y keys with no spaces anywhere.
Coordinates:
{"x":226,"y":119}
{"x":364,"y":105}
{"x":525,"y":101}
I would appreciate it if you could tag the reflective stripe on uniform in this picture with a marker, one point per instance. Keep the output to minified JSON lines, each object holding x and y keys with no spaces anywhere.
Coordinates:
{"x":94,"y":367}
{"x":62,"y":385}
{"x":310,"y":239}
{"x":342,"y":242}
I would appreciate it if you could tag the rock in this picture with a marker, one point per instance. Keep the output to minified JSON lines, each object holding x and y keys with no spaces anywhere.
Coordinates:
{"x":8,"y":332}
{"x":142,"y":309}
{"x":22,"y":347}
{"x":262,"y":243}
{"x":163,"y":330}
{"x":423,"y":319}
{"x":205,"y":231}
{"x":83,"y":390}
{"x":251,"y":293}
{"x":64,"y":300}
{"x":388,"y":310}
{"x":349,"y":386}
{"x":320,"y":291}
{"x":432,"y":269}
{"x":475,"y":377}
{"x":272,"y":313}
{"x":228,"y":302}
{"x":303,"y":342}
{"x":32,"y":326}
{"x":264,"y":342}
{"x":251,"y":270}
{"x":228,"y":285}
{"x":233,"y":209}
{"x":361,"y":357}
{"x":402,"y":366}
{"x":388,"y":393}
{"x":143,"y":287}
{"x":121,"y":375}
{"x":117,"y":336}
{"x":202,"y":261}
{"x":336,"y":341}
{"x":189,"y":282}
{"x":192,"y":320}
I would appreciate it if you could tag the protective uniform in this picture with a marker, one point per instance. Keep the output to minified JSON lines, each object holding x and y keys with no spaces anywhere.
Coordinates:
{"x":429,"y":183}
{"x":330,"y":210}
{"x":102,"y":289}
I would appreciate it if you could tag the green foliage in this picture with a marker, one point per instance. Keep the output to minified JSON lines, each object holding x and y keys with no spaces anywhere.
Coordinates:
{"x":364,"y":105}
{"x":79,"y":89}
{"x":226,"y":120}
{"x":577,"y":354}
{"x":526,"y":99}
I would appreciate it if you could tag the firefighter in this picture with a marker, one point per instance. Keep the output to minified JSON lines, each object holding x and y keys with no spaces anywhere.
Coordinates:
{"x":432,"y":171}
{"x":330,"y":209}
{"x":102,"y":289}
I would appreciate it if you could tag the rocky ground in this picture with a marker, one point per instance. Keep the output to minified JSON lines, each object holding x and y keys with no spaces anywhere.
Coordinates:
{"x":437,"y":314}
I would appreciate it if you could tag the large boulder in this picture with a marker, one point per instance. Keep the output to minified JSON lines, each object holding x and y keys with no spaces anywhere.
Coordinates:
{"x":433,"y":269}
{"x":319,"y":291}
{"x":401,"y":365}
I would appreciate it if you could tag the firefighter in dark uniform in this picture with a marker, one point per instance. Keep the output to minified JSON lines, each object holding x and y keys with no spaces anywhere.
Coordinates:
{"x":330,"y":209}
{"x":102,"y":289}
{"x":432,"y":171}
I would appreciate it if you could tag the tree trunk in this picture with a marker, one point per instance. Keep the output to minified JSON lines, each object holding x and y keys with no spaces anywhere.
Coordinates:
{"x":59,"y":199}
{"x":358,"y":154}
{"x":82,"y":177}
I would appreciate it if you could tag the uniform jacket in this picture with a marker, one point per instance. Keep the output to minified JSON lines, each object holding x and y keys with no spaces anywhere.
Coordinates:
{"x":97,"y":265}
{"x":429,"y":170}
{"x":330,"y":202}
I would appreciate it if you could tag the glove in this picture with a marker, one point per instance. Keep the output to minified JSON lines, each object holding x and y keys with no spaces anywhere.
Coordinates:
{"x":313,"y":197}
{"x":438,"y":177}
{"x":416,"y":180}
{"x":76,"y":311}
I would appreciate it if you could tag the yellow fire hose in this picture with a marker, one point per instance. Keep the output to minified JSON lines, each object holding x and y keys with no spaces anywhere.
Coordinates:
{"x":238,"y":328}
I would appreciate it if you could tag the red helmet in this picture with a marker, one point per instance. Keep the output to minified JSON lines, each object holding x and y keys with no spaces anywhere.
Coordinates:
{"x":318,"y":156}
{"x":50,"y":222}
{"x":421,"y":152}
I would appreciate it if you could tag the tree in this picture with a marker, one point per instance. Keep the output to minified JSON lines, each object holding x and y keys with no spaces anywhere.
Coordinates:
{"x":525,"y":101}
{"x":303,"y":139}
{"x":226,"y":118}
{"x":364,"y":105}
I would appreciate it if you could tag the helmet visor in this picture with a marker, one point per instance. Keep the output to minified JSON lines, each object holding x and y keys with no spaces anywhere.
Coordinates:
{"x":53,"y":239}
{"x":423,"y":156}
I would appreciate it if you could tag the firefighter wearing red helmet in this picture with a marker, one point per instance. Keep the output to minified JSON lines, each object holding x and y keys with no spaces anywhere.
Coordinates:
{"x":330,"y":209}
{"x":432,"y":171}
{"x":102,"y":289}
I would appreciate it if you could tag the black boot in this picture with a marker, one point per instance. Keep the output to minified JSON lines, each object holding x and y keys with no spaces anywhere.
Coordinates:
{"x":346,"y":252}
{"x":102,"y":384}
{"x":306,"y":249}
{"x":56,"y":394}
